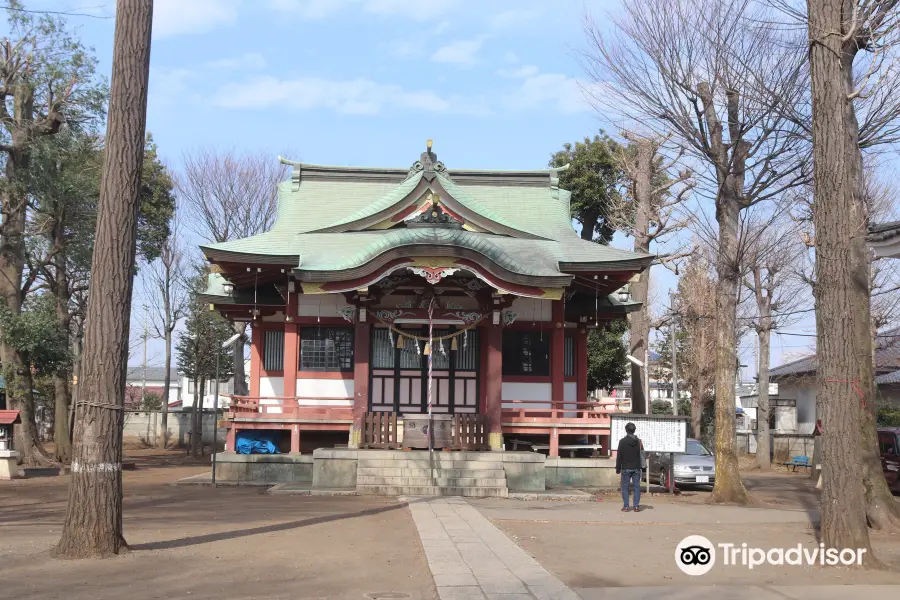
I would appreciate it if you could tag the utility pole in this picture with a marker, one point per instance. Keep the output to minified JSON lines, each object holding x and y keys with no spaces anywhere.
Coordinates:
{"x":672,"y":331}
{"x":144,"y":382}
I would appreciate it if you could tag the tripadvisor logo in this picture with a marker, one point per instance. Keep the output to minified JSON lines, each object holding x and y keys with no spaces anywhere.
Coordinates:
{"x":696,"y":555}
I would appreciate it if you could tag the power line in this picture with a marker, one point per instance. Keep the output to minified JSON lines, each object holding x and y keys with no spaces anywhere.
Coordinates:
{"x":56,"y":12}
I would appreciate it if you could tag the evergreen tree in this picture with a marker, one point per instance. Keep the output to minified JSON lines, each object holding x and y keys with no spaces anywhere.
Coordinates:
{"x":607,"y":365}
{"x":593,"y":177}
{"x":199,"y":350}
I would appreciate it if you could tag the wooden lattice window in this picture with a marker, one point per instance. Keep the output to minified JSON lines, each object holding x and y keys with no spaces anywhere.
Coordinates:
{"x":326,"y":349}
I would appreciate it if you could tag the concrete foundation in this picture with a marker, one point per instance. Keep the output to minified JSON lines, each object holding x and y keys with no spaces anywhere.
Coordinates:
{"x":334,"y":468}
{"x":8,"y":467}
{"x":379,"y":471}
{"x":264,"y":468}
{"x":581,"y":473}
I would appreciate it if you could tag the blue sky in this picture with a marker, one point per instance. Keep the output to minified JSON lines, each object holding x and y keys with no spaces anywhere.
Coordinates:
{"x":496,"y":84}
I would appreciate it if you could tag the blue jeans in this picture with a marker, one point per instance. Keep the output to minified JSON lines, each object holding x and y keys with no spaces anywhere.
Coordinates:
{"x":631,"y":477}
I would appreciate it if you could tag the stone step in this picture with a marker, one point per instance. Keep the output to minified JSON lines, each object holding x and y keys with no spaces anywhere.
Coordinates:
{"x":425,"y":472}
{"x":427,"y":490}
{"x":420,"y":463}
{"x":438,"y":481}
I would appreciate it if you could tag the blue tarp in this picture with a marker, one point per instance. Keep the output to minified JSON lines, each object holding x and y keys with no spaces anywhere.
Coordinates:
{"x":257,"y":442}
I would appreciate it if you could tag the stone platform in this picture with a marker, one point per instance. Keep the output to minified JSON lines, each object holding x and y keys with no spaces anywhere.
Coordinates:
{"x":414,"y":473}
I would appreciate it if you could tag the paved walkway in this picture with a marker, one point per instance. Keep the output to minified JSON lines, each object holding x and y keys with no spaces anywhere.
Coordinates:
{"x":471,"y":559}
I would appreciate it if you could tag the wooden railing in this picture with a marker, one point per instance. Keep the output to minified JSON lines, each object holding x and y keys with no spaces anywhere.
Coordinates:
{"x":380,"y":431}
{"x":556,"y":410}
{"x":305,"y":407}
{"x":468,"y":431}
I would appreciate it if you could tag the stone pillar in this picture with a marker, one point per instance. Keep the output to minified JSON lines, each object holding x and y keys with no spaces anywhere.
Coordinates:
{"x":256,"y":341}
{"x":557,"y":367}
{"x":493,"y":383}
{"x":362,"y":334}
{"x":291,"y":348}
{"x":229,"y":438}
{"x":8,"y":467}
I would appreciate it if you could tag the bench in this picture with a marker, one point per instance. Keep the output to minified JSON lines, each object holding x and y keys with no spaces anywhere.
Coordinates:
{"x":797,"y":461}
{"x":571,"y":448}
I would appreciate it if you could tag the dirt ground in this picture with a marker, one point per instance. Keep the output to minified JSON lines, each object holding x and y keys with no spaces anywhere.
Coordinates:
{"x":199,"y":542}
{"x":593,"y":544}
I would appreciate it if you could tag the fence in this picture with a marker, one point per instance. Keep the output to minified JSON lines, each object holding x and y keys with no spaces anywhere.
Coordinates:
{"x":469,"y":431}
{"x":144,"y":427}
{"x":782,"y":446}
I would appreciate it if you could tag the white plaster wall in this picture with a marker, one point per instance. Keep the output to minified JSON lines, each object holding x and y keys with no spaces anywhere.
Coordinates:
{"x":532,"y":309}
{"x":322,"y":305}
{"x":339,"y":389}
{"x":271,"y":386}
{"x":525,"y":391}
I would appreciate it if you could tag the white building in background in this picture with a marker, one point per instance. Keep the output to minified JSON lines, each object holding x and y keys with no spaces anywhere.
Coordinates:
{"x":181,"y":389}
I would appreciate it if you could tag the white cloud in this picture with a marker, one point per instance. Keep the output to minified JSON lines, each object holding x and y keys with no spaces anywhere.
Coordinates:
{"x":442,"y":27}
{"x":461,"y":52}
{"x":407,"y":47}
{"x":182,"y":17}
{"x":510,"y":57}
{"x":250,"y":60}
{"x":519,"y":72}
{"x":553,"y":89}
{"x":170,"y":85}
{"x":509,"y":19}
{"x":353,"y":96}
{"x":321,"y":9}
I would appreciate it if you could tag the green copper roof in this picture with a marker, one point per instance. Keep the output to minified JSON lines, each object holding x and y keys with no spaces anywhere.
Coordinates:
{"x":533,"y":215}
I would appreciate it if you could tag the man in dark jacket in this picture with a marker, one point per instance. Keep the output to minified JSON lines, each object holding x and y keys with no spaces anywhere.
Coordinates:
{"x":628,"y":463}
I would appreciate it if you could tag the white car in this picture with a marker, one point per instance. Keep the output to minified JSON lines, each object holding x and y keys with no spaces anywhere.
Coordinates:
{"x":697,"y":466}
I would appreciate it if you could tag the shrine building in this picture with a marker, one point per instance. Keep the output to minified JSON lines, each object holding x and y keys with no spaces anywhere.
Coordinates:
{"x":370,"y":275}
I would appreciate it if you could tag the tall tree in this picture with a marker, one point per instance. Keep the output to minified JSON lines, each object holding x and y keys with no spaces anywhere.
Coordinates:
{"x":200,"y":353}
{"x":838,"y":30}
{"x":655,"y":190}
{"x":168,"y":299}
{"x":697,"y":350}
{"x":230,"y":196}
{"x":47,"y":78}
{"x":93,"y":524}
{"x":63,"y":183}
{"x":774,"y":249}
{"x":714,"y":74}
{"x":593,"y":178}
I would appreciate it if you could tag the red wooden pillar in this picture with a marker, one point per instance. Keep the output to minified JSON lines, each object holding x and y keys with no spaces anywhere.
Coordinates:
{"x":362,"y":334}
{"x":493,"y":384}
{"x":291,"y":364}
{"x":557,"y":367}
{"x":295,"y":439}
{"x":256,"y":342}
{"x":581,"y":364}
{"x":229,"y":438}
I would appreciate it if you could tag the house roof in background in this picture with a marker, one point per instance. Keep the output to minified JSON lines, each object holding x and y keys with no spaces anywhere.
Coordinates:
{"x":136,"y":375}
{"x":888,"y":378}
{"x":881,"y":232}
{"x":9,"y":417}
{"x":887,"y":358}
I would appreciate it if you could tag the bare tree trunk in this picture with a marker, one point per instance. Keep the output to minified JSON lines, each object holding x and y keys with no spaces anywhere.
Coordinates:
{"x":728,"y":486}
{"x":163,"y":438}
{"x":12,"y":261}
{"x":763,"y":457}
{"x":197,"y":418}
{"x":698,"y":402}
{"x":639,"y":322}
{"x":93,"y":525}
{"x":61,"y":377}
{"x":841,"y":281}
{"x":237,"y":356}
